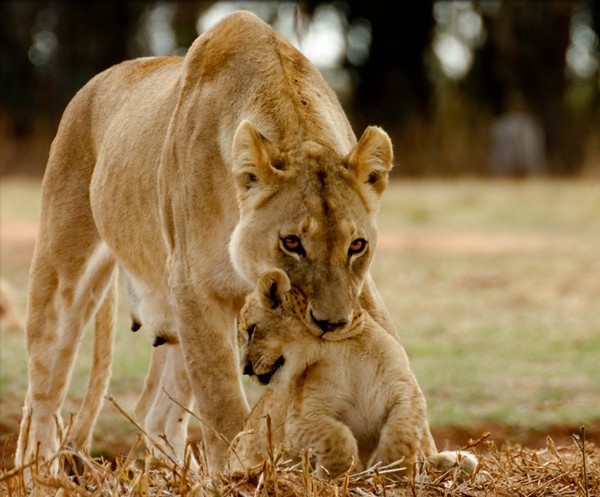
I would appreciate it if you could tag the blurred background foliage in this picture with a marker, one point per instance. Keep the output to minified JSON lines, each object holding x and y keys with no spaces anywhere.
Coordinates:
{"x":476,"y":88}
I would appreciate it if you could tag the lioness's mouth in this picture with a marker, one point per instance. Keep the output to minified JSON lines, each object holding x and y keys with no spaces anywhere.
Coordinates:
{"x":266,"y":377}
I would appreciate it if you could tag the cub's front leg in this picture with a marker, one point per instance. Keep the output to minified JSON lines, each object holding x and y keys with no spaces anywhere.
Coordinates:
{"x":331,"y":442}
{"x":406,"y":435}
{"x":260,"y":436}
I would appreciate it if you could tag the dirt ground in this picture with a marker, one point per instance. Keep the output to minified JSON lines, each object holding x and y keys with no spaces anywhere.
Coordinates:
{"x":449,"y":437}
{"x":17,"y":242}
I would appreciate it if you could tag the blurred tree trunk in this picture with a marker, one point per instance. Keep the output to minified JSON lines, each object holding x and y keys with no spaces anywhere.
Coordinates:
{"x":393,"y":84}
{"x":392,"y":89}
{"x":92,"y":36}
{"x":82,"y":38}
{"x":184,"y":22}
{"x":17,"y":78}
{"x":49,"y":49}
{"x":522,"y":64}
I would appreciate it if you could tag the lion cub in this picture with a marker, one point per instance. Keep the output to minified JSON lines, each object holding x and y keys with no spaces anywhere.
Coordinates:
{"x":352,"y":400}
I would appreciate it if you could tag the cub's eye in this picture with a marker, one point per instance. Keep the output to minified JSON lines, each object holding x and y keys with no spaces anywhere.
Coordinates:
{"x":250,"y":330}
{"x":291,"y":243}
{"x":357,"y":246}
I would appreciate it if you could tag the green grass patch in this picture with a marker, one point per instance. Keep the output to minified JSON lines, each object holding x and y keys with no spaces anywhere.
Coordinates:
{"x":493,"y":285}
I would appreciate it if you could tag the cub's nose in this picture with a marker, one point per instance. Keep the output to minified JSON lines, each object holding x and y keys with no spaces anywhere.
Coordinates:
{"x":248,"y":369}
{"x":327,"y":326}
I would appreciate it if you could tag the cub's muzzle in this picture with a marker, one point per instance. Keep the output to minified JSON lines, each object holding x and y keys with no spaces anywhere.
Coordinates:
{"x":264,"y":378}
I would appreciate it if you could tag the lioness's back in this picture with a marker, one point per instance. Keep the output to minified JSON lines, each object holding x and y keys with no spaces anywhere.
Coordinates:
{"x":286,"y":96}
{"x":241,"y":59}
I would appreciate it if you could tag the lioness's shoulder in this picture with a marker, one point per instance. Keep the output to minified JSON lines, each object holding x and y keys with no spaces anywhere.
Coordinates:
{"x":239,"y":40}
{"x":244,"y":19}
{"x":239,"y":24}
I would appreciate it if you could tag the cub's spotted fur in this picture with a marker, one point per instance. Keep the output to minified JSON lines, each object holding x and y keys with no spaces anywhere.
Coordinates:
{"x":352,"y":402}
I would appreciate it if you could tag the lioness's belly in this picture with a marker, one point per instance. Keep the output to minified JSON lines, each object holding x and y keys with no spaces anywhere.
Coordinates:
{"x":133,"y":103}
{"x":128,"y":221}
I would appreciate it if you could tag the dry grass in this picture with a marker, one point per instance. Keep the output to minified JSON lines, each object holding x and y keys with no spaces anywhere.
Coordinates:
{"x":508,"y":471}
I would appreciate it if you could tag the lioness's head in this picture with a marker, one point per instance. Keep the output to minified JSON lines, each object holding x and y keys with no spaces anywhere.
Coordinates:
{"x":272,"y":331}
{"x":310,"y":212}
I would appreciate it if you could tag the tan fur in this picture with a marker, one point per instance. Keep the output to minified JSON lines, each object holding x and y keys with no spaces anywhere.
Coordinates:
{"x":352,"y":402}
{"x":10,"y":318}
{"x":188,"y":173}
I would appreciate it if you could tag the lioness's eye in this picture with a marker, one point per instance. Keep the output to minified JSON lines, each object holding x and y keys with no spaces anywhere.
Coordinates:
{"x":292,"y":243}
{"x":357,"y":246}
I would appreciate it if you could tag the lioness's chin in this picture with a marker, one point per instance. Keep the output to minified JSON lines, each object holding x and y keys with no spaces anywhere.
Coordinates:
{"x":349,"y":331}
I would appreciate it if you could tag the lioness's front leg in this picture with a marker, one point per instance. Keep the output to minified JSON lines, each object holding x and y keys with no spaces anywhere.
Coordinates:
{"x":207,"y":340}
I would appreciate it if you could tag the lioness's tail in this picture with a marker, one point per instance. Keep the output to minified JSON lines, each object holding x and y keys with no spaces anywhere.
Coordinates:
{"x":104,"y":330}
{"x":9,"y":316}
{"x":465,"y":463}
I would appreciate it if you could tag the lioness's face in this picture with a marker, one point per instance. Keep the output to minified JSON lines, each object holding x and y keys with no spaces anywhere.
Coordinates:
{"x":311,"y":213}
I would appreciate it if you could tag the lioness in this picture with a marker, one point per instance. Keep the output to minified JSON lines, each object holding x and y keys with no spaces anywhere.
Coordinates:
{"x":194,"y":175}
{"x":353,"y":401}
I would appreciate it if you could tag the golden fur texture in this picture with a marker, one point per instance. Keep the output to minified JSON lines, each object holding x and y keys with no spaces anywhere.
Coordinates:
{"x":193,"y":175}
{"x":352,"y":402}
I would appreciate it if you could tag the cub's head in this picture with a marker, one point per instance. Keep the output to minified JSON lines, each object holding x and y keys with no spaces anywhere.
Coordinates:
{"x":310,"y":212}
{"x":272,"y":331}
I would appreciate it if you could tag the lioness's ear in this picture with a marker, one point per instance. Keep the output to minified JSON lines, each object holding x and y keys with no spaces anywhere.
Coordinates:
{"x":372,"y":158}
{"x":272,"y":287}
{"x":253,"y":157}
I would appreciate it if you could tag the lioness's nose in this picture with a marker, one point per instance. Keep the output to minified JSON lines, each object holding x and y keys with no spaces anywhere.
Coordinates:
{"x":328,"y":325}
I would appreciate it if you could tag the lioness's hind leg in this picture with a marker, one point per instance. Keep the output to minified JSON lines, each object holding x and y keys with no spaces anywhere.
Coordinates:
{"x":65,"y":290}
{"x":168,"y":418}
{"x":104,"y":331}
{"x":152,"y":384}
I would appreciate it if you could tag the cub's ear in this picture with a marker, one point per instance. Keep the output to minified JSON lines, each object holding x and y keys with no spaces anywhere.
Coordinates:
{"x":272,"y":286}
{"x":253,"y":158}
{"x":372,"y":158}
